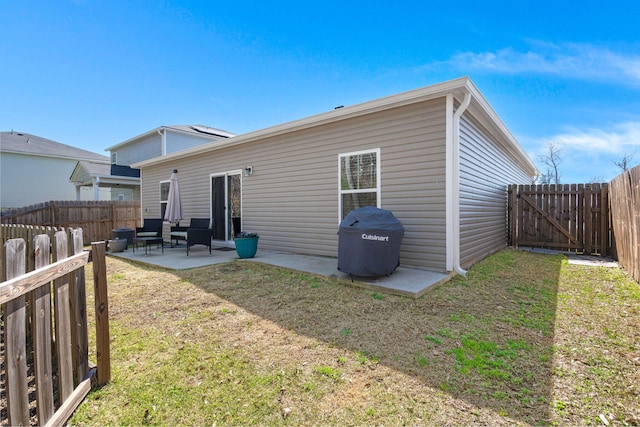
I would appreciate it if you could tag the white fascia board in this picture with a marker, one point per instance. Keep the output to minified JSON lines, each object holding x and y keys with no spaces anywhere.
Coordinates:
{"x":106,"y":179}
{"x":129,"y":180}
{"x":194,"y":132}
{"x":53,"y":156}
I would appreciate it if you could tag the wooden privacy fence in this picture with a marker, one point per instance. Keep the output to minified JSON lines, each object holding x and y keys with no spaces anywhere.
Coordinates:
{"x":568,"y":217}
{"x":96,"y":218}
{"x":625,"y":210}
{"x":44,"y":350}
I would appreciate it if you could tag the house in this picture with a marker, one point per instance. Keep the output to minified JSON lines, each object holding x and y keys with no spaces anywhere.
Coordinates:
{"x":35,"y":170}
{"x":100,"y":176}
{"x":123,"y":180}
{"x":438,"y":157}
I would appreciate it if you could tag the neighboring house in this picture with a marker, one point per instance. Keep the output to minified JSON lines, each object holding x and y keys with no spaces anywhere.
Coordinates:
{"x":36,"y":170}
{"x":100,"y":176}
{"x":438,"y":157}
{"x":124,"y":180}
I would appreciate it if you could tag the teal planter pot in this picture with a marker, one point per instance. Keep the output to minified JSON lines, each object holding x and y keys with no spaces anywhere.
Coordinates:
{"x":246,"y":247}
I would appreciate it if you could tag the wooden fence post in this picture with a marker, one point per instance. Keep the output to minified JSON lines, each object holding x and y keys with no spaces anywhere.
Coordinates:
{"x":103,"y":352}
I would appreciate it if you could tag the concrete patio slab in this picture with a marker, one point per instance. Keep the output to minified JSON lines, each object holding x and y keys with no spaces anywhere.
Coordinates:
{"x":405,"y":281}
{"x":579,"y":259}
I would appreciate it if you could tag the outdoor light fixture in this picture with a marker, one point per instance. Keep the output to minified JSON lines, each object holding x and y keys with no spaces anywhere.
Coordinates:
{"x":248,"y":170}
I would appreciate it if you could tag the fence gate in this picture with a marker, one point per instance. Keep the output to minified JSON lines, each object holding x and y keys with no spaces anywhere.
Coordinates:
{"x":568,"y":217}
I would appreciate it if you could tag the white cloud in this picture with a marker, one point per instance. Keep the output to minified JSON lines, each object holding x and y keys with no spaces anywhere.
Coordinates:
{"x":571,"y":60}
{"x":618,"y":139}
{"x":588,"y":153}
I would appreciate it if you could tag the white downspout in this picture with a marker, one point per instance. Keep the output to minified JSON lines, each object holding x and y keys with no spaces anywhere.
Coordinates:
{"x":449,"y":182}
{"x":163,"y":136}
{"x":453,"y":184}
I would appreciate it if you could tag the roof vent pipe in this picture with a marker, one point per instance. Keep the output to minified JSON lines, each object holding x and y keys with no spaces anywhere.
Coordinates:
{"x":456,"y":184}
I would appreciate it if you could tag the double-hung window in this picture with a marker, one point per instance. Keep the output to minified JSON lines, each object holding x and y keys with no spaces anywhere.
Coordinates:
{"x":164,"y":196}
{"x":359,"y":180}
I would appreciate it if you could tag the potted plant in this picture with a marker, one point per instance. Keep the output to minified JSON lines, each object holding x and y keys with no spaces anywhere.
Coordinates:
{"x":246,"y":244}
{"x":117,"y":244}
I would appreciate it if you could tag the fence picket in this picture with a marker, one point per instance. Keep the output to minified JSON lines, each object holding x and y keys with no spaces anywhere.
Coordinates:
{"x":63,"y":321}
{"x":41,"y":318}
{"x":15,"y":339}
{"x":79,"y":338}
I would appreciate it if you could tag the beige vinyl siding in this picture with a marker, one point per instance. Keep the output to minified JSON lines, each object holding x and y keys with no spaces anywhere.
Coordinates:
{"x":291,"y":199}
{"x":485,"y":173}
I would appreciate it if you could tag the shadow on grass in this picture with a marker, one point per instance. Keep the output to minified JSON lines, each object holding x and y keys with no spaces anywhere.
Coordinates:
{"x":486,"y":339}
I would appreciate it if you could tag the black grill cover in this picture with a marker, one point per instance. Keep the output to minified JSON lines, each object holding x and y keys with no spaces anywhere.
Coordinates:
{"x":369,"y":242}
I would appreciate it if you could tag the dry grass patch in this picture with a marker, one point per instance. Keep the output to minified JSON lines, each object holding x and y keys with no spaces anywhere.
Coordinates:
{"x":244,"y":343}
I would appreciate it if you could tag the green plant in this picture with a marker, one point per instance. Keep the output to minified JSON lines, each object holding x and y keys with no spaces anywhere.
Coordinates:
{"x":433,"y":339}
{"x":329,"y":371}
{"x":445,"y":332}
{"x":377,"y":295}
{"x":364,"y":359}
{"x":246,"y":234}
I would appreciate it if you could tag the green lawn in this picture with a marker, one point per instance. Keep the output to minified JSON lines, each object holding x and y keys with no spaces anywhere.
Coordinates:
{"x":524,"y":339}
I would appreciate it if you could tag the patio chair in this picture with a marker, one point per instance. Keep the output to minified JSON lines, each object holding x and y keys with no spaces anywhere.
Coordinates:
{"x":199,"y":236}
{"x":197,"y":233}
{"x":179,"y":232}
{"x":151,"y":227}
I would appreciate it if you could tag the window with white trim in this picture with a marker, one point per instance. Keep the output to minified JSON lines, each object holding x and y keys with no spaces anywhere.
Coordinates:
{"x":114,"y":157}
{"x":359,"y":174}
{"x":164,"y":197}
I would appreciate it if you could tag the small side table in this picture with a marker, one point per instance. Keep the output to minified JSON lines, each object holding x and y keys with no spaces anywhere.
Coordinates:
{"x":148,"y":241}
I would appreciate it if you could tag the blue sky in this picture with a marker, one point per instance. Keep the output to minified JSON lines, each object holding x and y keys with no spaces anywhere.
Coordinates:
{"x":95,"y":73}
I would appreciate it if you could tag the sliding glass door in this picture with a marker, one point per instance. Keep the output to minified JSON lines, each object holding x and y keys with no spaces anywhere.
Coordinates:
{"x":226,"y":204}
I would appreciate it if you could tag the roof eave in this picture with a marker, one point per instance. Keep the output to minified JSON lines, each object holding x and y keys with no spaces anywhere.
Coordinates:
{"x":55,"y":156}
{"x":458,"y":87}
